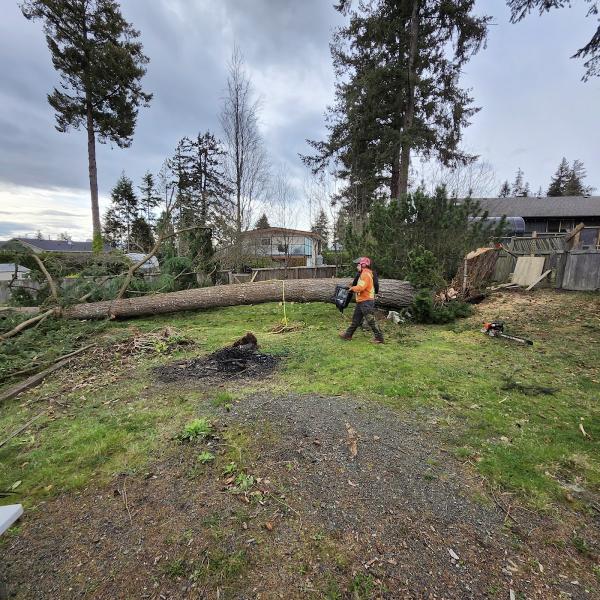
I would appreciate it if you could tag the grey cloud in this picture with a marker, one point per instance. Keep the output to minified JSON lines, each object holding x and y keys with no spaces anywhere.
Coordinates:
{"x":189,"y":43}
{"x":10,"y":229}
{"x":45,"y":213}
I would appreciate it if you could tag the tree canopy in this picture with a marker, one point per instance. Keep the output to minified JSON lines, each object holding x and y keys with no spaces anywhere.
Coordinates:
{"x":397,"y":65}
{"x":101,"y":63}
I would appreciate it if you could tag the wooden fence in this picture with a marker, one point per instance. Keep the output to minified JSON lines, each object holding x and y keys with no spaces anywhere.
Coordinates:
{"x":572,"y":269}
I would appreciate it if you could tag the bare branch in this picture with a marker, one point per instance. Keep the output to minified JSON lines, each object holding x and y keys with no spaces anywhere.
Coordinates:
{"x":51,"y":283}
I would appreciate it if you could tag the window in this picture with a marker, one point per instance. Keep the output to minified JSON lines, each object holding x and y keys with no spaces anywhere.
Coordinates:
{"x":265,"y":242}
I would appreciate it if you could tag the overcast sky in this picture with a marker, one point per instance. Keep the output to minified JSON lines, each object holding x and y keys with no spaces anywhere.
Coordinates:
{"x":535,"y":109}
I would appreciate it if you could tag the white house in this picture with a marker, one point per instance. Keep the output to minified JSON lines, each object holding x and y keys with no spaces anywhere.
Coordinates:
{"x":303,"y":248}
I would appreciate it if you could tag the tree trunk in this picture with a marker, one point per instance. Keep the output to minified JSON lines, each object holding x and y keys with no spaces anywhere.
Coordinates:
{"x":97,"y":229}
{"x":393,"y":294}
{"x":410,"y":107}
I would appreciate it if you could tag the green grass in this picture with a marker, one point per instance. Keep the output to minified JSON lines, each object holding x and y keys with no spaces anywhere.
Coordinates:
{"x":525,"y":443}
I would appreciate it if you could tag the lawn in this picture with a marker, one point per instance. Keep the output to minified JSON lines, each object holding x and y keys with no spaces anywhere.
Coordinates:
{"x":527,"y":418}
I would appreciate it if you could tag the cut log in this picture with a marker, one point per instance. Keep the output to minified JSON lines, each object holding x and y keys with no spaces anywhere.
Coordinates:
{"x":393,"y":294}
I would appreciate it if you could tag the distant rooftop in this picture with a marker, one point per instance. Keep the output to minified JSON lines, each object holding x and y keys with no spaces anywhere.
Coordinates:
{"x":57,"y":245}
{"x":551,"y":206}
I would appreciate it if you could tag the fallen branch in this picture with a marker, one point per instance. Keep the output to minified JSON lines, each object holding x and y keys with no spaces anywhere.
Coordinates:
{"x":26,"y":324}
{"x":161,"y":238}
{"x":39,"y":377}
{"x":18,"y":431}
{"x":51,"y":283}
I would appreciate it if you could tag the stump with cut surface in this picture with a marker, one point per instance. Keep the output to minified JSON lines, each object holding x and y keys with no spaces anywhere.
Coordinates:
{"x":393,"y":294}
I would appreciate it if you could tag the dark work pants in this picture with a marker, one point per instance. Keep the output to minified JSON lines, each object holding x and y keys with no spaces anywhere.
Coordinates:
{"x":365,"y":310}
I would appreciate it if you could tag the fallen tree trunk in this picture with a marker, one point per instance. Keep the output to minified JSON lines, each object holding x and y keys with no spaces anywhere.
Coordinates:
{"x":393,"y":294}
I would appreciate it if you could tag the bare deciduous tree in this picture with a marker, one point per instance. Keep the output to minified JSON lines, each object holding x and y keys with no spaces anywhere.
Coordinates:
{"x":284,"y":208}
{"x":246,"y":160}
{"x":476,"y":179}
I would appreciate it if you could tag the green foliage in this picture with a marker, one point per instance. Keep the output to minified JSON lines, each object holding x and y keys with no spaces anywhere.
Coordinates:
{"x":97,"y":243}
{"x":205,"y":457}
{"x":424,"y":269}
{"x":438,"y":224}
{"x":362,"y":586}
{"x":142,"y":238}
{"x":262,"y":223}
{"x":181,"y":268}
{"x":24,"y":297}
{"x":229,"y":468}
{"x":331,"y":257}
{"x":321,"y":226}
{"x":83,"y":39}
{"x":197,"y":429}
{"x":175,"y":568}
{"x":41,"y":345}
{"x":426,"y":311}
{"x":224,"y":399}
{"x":381,"y":81}
{"x":568,"y":181}
{"x":221,"y":567}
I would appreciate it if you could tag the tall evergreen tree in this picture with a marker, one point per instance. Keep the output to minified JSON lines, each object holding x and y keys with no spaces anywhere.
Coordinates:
{"x":122,"y":213}
{"x":504,"y":190}
{"x":568,"y":181}
{"x":559,"y":179}
{"x":149,"y":198}
{"x":141,"y":238}
{"x":202,"y":192}
{"x":101,"y":63}
{"x":262,"y":223}
{"x":321,"y":226}
{"x":398,"y":64}
{"x":519,"y":187}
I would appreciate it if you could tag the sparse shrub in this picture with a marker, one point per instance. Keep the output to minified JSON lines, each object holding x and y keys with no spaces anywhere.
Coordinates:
{"x":205,"y":457}
{"x":196,"y":429}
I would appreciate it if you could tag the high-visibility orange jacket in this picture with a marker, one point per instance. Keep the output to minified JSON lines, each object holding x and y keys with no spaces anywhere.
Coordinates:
{"x":365,"y":289}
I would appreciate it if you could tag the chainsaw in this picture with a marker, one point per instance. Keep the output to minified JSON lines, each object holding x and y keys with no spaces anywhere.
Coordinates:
{"x":496,"y":329}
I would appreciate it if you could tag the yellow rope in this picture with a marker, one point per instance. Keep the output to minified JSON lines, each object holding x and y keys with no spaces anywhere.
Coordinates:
{"x":285,"y":321}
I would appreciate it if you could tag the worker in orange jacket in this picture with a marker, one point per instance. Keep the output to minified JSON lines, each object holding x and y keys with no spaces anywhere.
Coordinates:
{"x":365,"y":302}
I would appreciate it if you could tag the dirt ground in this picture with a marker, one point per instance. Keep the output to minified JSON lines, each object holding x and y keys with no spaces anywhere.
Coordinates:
{"x":348,"y":500}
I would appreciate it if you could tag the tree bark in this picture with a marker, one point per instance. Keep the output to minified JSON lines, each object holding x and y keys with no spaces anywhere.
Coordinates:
{"x":93,"y":173}
{"x":393,"y":294}
{"x":409,"y":115}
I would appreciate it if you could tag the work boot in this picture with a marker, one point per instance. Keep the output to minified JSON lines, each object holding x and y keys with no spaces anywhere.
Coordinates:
{"x":345,"y":336}
{"x":376,"y":341}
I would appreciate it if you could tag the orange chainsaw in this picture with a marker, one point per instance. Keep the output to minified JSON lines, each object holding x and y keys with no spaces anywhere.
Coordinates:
{"x":496,"y":329}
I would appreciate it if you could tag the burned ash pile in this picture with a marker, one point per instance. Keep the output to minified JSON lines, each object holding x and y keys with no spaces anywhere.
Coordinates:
{"x":241,"y":359}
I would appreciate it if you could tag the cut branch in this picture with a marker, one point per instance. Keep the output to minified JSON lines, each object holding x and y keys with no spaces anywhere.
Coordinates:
{"x":130,"y":273}
{"x":27,"y":323}
{"x":51,"y":283}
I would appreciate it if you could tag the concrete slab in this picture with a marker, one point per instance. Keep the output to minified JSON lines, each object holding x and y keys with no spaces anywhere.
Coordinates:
{"x":8,"y":515}
{"x":528,"y":269}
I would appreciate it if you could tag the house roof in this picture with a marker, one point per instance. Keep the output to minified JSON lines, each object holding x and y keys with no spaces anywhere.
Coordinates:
{"x":58,"y":245}
{"x":10,"y":268}
{"x":560,"y":206}
{"x":281,"y":230}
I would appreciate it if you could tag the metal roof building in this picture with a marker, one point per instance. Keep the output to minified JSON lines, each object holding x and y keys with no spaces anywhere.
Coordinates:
{"x":549,"y":214}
